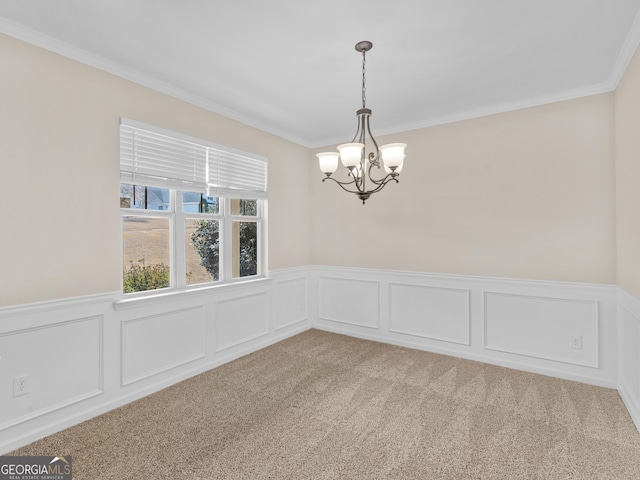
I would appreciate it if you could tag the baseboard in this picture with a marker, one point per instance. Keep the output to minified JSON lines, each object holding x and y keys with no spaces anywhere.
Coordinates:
{"x":632,"y":403}
{"x":473,"y":356}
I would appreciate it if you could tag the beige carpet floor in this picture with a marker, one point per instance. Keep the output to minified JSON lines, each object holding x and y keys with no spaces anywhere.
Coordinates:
{"x":327,"y":406}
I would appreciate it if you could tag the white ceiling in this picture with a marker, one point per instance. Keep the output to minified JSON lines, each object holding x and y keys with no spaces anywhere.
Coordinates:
{"x":290,"y":67}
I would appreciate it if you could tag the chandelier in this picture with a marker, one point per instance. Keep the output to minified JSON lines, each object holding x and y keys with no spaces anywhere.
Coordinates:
{"x":354,"y":155}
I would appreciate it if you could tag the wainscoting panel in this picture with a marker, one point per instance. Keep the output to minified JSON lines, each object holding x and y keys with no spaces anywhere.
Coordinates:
{"x":157,"y":343}
{"x":241,"y":319}
{"x":542,"y":327}
{"x":563,"y":329}
{"x":291,"y":301}
{"x":349,"y":301}
{"x":62,"y":363}
{"x":629,"y":353}
{"x":430,"y":312}
{"x":89,"y":355}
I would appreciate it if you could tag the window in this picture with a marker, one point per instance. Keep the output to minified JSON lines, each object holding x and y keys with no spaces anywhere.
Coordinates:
{"x":202,"y":237}
{"x":191,"y":211}
{"x":244,"y":237}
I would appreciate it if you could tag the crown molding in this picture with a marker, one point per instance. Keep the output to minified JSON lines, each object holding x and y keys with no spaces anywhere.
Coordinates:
{"x":59,"y":47}
{"x":620,"y":66}
{"x":484,"y":111}
{"x":47,"y":42}
{"x":626,"y":53}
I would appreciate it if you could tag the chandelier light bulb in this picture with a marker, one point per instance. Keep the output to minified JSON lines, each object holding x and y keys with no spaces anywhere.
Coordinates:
{"x":397,"y":170}
{"x":350,"y":154}
{"x":328,"y":162}
{"x":393,"y":154}
{"x":356,"y":171}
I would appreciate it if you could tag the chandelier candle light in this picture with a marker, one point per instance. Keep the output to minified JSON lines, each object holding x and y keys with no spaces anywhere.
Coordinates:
{"x":354,"y":157}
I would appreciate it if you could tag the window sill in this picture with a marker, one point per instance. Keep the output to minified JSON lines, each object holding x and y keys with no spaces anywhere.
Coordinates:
{"x":169,"y":296}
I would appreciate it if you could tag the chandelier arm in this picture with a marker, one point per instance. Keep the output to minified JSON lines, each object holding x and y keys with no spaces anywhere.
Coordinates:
{"x":373,"y":180}
{"x":362,"y":192}
{"x":342,"y":185}
{"x":376,"y":159}
{"x":381,"y":185}
{"x":363,"y":120}
{"x":383,"y":179}
{"x":363,"y":173}
{"x":363,"y":115}
{"x":359,"y":181}
{"x":357,"y":136}
{"x":338,"y":181}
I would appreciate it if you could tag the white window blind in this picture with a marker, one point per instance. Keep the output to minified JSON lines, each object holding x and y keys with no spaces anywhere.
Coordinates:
{"x":235,"y":175}
{"x":159,"y":158}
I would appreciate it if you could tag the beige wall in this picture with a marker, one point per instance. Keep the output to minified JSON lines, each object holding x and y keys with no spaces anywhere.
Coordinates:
{"x":61,"y":233}
{"x":627,"y":124}
{"x":524,"y":194}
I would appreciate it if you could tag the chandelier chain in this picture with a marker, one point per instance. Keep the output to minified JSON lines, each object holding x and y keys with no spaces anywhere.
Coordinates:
{"x":364,"y":81}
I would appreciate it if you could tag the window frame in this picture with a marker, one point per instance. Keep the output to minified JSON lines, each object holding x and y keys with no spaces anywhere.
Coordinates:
{"x":178,"y":244}
{"x":230,"y":218}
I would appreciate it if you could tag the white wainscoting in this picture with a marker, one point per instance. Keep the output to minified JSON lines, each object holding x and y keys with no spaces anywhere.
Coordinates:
{"x":62,"y":361}
{"x":289,"y":312}
{"x":157,"y":343}
{"x":89,"y":355}
{"x":542,"y":327}
{"x":352,"y":301}
{"x":241,"y":319}
{"x":522,"y":324}
{"x":85,"y":357}
{"x":430,"y":312}
{"x":629,"y":353}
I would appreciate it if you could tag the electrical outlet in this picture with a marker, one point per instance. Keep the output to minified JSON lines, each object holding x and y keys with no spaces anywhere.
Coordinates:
{"x":20,"y":385}
{"x":576,"y":342}
{"x":301,"y":307}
